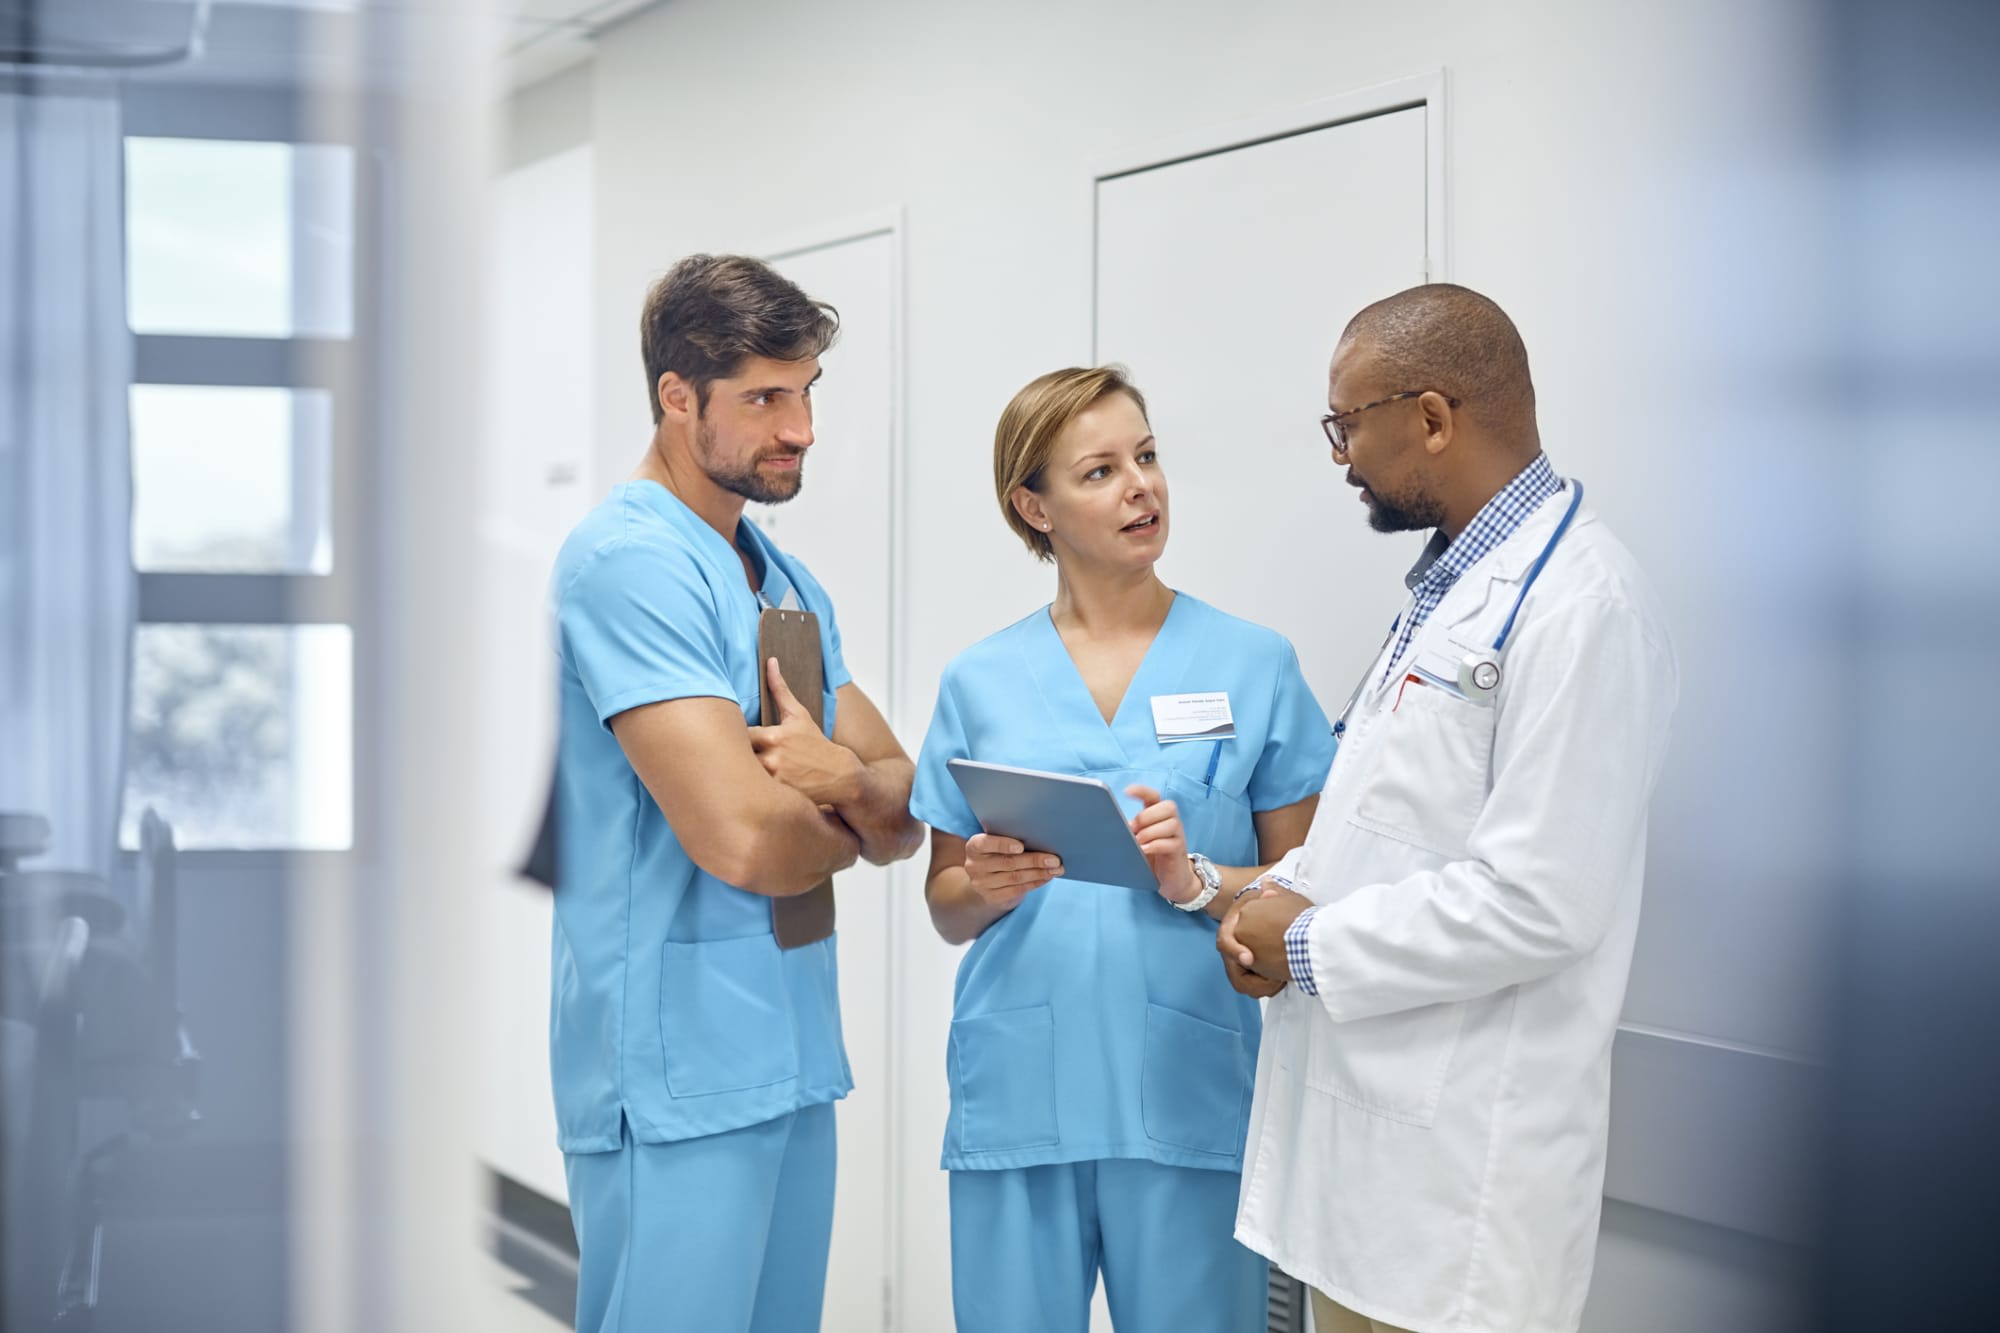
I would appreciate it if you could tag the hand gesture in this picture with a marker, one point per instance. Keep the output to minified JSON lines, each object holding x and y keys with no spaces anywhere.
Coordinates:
{"x":1161,"y":838}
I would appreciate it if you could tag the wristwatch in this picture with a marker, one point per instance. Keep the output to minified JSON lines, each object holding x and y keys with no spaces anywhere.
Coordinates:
{"x":1211,"y":883}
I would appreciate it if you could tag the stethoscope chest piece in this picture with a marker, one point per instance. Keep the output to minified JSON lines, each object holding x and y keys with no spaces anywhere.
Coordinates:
{"x":1478,"y":676}
{"x":1479,"y":672}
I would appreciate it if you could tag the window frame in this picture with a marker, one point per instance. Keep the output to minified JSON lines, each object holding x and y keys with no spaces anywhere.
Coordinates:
{"x":248,"y":115}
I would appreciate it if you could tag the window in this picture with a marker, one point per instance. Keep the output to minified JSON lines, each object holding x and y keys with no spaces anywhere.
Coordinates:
{"x":243,"y":735}
{"x":240,"y":292}
{"x":231,"y":479}
{"x":243,"y":239}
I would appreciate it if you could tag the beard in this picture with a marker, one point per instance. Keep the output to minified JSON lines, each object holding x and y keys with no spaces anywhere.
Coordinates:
{"x":743,"y":479}
{"x":1404,"y":513}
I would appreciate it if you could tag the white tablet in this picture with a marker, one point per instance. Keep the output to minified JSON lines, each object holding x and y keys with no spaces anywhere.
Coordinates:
{"x":1076,"y":818}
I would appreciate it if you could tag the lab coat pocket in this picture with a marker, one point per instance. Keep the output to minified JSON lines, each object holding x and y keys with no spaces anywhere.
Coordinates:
{"x":1393,"y":1065}
{"x":725,"y":1016}
{"x":1432,"y":759}
{"x":1004,"y":1068}
{"x":1196,"y":1074}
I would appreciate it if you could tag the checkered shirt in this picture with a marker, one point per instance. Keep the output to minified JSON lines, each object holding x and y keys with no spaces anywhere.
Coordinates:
{"x":1445,"y":559}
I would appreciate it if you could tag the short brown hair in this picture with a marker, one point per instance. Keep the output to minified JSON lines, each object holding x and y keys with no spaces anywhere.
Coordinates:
{"x":1031,"y":424}
{"x":711,"y":313}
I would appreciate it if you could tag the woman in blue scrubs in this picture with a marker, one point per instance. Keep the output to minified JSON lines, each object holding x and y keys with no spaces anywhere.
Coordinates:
{"x":1100,"y":1062}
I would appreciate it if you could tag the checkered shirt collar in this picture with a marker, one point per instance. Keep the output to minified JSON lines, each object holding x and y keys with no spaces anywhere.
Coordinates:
{"x":1445,"y":559}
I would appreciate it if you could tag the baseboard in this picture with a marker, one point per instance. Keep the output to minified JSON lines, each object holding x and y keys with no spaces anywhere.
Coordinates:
{"x":532,"y":1235}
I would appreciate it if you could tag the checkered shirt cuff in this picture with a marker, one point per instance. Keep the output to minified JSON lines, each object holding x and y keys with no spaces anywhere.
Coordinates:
{"x":1298,"y":953}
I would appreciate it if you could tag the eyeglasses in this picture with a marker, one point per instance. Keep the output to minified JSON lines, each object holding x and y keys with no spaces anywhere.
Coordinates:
{"x":1335,"y":423}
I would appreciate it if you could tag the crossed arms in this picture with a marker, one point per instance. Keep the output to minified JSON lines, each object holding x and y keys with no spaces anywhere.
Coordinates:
{"x":775,"y":809}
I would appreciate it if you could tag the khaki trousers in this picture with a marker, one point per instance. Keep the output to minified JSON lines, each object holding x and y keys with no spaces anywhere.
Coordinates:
{"x":1330,"y":1316}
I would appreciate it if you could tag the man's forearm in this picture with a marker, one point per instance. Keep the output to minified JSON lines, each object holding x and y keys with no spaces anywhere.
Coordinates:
{"x":787,"y":849}
{"x":877,"y":808}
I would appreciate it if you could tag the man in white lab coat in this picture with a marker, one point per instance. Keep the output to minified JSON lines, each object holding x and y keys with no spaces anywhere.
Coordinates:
{"x":1427,"y":1139}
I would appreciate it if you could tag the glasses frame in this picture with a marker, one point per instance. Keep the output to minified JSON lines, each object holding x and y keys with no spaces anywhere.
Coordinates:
{"x":1335,"y":423}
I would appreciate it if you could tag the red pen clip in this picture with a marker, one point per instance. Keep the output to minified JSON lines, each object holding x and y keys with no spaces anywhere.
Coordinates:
{"x":1412,"y":679}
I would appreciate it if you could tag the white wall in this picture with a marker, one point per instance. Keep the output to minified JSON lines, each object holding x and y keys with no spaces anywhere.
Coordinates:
{"x":1621,"y":179}
{"x":537,"y":478}
{"x":547,"y":117}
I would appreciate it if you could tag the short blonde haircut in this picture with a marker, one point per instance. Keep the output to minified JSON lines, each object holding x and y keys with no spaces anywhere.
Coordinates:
{"x":1033,"y":422}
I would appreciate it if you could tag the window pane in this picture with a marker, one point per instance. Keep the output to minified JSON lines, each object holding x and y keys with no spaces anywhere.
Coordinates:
{"x":242,"y":736}
{"x":229,"y":480}
{"x":230,"y":238}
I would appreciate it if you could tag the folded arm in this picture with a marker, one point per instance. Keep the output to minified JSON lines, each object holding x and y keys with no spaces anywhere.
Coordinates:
{"x":732,"y":818}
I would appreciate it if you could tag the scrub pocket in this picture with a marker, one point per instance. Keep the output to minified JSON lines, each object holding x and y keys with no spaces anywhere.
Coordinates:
{"x":1432,"y":768}
{"x":1191,"y":1092}
{"x":725,"y":1016}
{"x":1004,"y":1068}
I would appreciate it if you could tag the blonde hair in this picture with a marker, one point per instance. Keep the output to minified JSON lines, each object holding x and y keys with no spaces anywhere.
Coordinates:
{"x":1031,"y":424}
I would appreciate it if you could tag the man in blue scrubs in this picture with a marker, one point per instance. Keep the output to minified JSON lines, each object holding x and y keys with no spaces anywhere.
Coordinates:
{"x":695,"y":1060}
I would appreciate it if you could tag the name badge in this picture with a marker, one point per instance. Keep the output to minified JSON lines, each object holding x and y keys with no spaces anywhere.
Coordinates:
{"x":1193,"y":717}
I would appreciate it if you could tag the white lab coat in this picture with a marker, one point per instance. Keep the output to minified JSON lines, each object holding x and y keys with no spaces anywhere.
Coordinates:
{"x":1427,"y":1136}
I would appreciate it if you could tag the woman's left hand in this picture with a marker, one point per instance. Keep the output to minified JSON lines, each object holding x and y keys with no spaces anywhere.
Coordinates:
{"x":1164,"y":841}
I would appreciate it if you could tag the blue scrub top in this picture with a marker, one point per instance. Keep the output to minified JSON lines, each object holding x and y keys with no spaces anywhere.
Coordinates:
{"x":1094,"y":1021}
{"x":672,"y":1005}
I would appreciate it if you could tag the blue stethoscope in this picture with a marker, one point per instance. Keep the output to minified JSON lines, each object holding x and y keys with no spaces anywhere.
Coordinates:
{"x":1479,"y":671}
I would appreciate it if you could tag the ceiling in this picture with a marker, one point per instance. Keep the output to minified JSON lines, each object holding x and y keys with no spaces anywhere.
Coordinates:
{"x":308,"y":43}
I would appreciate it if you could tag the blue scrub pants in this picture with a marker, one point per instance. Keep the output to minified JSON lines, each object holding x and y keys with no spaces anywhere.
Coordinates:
{"x":723,"y":1234}
{"x":1027,"y":1245}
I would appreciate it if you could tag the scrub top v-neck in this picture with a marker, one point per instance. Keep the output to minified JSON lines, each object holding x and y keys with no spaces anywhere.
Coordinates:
{"x":1128,"y":736}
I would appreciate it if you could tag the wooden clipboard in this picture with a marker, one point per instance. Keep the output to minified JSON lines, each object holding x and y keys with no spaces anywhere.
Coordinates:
{"x":793,"y":638}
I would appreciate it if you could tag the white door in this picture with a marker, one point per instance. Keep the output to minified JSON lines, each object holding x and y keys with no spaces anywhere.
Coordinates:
{"x":1223,"y":283}
{"x":841,"y":526}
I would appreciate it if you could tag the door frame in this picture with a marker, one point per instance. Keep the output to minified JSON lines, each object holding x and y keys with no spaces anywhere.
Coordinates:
{"x":1429,"y":90}
{"x":891,"y":222}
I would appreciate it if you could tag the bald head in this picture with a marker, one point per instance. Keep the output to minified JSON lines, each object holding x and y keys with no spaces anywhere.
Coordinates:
{"x":1429,"y":392}
{"x":1451,"y":339}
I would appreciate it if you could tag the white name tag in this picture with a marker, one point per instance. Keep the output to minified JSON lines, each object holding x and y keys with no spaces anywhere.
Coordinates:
{"x":1192,"y":717}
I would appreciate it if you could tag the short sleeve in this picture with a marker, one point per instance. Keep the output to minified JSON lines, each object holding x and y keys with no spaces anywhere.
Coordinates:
{"x":837,"y":673}
{"x":638,"y":624}
{"x":935,"y":797}
{"x":1298,"y":745}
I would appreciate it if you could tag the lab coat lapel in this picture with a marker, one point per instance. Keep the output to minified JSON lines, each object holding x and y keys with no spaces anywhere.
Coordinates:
{"x":1478,"y":604}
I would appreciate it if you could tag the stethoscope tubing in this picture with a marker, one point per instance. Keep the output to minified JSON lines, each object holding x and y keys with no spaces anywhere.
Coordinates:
{"x":1472,"y":680}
